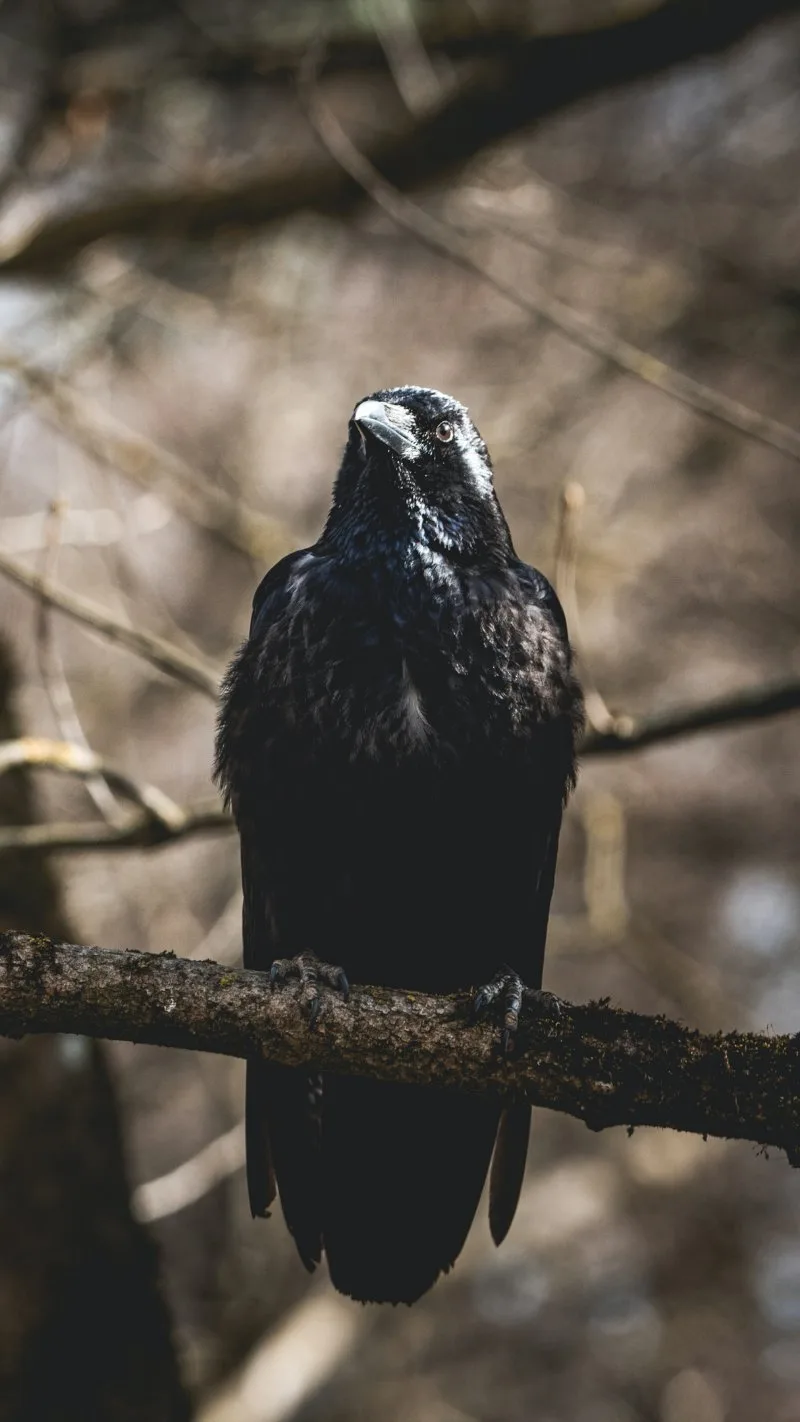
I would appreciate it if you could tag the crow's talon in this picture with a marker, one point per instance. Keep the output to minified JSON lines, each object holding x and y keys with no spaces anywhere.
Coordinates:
{"x":507,"y":989}
{"x":480,"y":1005}
{"x":311,"y":974}
{"x":544,"y":1004}
{"x":334,"y":978}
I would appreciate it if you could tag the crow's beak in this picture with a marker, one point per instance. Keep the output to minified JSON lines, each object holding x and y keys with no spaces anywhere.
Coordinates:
{"x":391,"y":424}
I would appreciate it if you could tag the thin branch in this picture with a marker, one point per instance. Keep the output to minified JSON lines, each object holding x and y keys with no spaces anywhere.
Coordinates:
{"x":604,"y":1066}
{"x":51,"y":668}
{"x":509,"y":71}
{"x":448,"y":242}
{"x":110,"y":443}
{"x":222,"y":942}
{"x":160,"y":819}
{"x":80,"y":761}
{"x":626,"y":733}
{"x":141,"y":831}
{"x":632,"y":733}
{"x":155,"y":650}
{"x":293,"y":1362}
{"x":410,"y":65}
{"x":205,"y":817}
{"x":177,"y":1189}
{"x":573,"y":498}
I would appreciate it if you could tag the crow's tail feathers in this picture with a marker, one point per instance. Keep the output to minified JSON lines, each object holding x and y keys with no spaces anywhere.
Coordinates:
{"x":391,"y":1184}
{"x":508,"y":1169}
{"x":282,"y":1133}
{"x":403,"y":1170}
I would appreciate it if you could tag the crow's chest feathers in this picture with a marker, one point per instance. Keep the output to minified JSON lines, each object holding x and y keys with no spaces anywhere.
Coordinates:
{"x":421,"y":662}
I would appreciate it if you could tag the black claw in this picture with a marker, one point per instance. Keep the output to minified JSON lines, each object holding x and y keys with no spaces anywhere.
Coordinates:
{"x":507,"y":990}
{"x":479,"y":1005}
{"x":544,"y":1004}
{"x":310,"y":972}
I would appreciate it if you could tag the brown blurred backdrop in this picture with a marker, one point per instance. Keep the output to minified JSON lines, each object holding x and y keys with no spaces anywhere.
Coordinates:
{"x":179,"y":253}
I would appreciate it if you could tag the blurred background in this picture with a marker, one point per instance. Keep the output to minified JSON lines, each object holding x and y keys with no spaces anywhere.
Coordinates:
{"x":193,"y":296}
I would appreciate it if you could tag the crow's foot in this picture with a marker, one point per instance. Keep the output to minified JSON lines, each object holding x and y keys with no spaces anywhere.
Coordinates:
{"x":508,"y":993}
{"x":312,"y":975}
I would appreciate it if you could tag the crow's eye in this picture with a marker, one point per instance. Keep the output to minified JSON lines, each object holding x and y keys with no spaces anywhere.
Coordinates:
{"x":445,"y":431}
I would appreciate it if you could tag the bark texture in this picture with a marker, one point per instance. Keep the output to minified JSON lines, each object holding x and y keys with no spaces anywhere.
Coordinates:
{"x":603,"y":1065}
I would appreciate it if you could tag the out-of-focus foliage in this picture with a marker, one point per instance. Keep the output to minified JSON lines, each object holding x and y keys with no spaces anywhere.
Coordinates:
{"x":651,"y":1277}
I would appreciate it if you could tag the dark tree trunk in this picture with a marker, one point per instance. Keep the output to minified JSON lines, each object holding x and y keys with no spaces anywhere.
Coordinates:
{"x":84,"y":1333}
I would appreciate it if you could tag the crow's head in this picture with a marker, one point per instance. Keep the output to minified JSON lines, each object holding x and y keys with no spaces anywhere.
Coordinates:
{"x":416,"y":472}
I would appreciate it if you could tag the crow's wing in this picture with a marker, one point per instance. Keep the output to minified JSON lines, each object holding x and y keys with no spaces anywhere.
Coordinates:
{"x":282,"y":1104}
{"x":511,"y":1148}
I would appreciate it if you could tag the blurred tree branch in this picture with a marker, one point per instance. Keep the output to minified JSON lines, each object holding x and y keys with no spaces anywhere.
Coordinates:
{"x":509,"y":65}
{"x":605,"y":1066}
{"x":168,"y":658}
{"x":440,"y":237}
{"x":160,"y":821}
{"x":80,"y":761}
{"x":140,"y":831}
{"x":630,"y":733}
{"x":109,"y":442}
{"x":617,"y":734}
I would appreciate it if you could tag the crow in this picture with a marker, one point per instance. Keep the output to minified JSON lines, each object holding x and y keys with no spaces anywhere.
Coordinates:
{"x":397,"y":740}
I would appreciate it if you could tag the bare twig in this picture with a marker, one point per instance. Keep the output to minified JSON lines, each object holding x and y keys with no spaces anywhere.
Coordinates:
{"x":106,"y":440}
{"x":447,"y":241}
{"x":52,"y":672}
{"x":222,"y":942}
{"x":292,"y":1362}
{"x":396,"y":26}
{"x":86,"y":528}
{"x":757,"y":703}
{"x":82,"y":762}
{"x":512,"y":65}
{"x":625,"y":733}
{"x":604,"y":1066}
{"x":190,"y":1181}
{"x":205,"y":817}
{"x":573,"y":497}
{"x":160,"y":819}
{"x":141,"y":831}
{"x":155,"y":650}
{"x":604,"y":866}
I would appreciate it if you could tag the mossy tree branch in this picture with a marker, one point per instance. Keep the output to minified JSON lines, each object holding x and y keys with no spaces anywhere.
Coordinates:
{"x":605,"y":1066}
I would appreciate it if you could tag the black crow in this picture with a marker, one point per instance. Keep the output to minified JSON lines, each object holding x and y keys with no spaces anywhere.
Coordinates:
{"x":397,"y":742}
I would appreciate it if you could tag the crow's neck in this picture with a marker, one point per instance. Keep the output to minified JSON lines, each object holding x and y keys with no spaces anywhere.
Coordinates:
{"x":411,"y":540}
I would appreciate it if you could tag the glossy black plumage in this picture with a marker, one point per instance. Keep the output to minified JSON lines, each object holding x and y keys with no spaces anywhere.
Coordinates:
{"x":397,"y":741}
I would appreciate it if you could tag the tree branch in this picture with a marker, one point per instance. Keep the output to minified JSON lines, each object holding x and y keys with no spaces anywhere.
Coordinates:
{"x":605,"y":1066}
{"x":111,"y":444}
{"x":755,"y":703}
{"x":149,"y":828}
{"x":70,"y":758}
{"x":153,"y":649}
{"x":508,"y":74}
{"x":140,"y":831}
{"x":447,"y":241}
{"x":625,"y":733}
